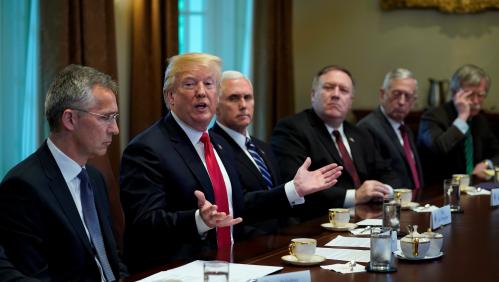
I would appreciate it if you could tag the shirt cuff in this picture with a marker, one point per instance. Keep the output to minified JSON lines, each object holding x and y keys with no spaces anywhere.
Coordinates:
{"x":293,"y":197}
{"x":349,"y":198}
{"x":201,"y":226}
{"x":461,"y":125}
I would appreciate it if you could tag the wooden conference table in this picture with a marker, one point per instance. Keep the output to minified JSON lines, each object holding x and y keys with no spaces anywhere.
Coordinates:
{"x":471,"y":245}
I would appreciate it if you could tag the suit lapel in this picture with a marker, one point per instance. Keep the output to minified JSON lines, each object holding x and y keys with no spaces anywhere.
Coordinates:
{"x":184,"y":147}
{"x":355,"y":146}
{"x":320,"y":131}
{"x":270,"y":167}
{"x":387,"y":128}
{"x":60,"y":190}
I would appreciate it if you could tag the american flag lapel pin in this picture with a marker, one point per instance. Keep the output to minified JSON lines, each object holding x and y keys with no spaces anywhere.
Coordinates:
{"x":351,"y":139}
{"x":219,"y":146}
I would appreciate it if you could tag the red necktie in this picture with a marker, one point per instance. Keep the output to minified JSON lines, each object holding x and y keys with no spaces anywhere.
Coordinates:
{"x":347,"y":161}
{"x":221,"y":200}
{"x":409,"y":156}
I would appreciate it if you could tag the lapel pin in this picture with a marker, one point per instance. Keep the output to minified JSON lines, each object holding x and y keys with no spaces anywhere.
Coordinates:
{"x":219,"y":146}
{"x":351,"y":139}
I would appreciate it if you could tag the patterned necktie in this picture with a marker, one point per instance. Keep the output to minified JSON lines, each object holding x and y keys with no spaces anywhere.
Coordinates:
{"x":259,"y":162}
{"x":468,"y":151}
{"x":92,"y":223}
{"x":409,"y":156}
{"x":347,"y":161}
{"x":221,"y":199}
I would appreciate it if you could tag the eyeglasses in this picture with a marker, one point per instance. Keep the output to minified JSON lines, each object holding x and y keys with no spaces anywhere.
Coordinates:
{"x":396,"y":95}
{"x":479,"y":96}
{"x":105,"y":118}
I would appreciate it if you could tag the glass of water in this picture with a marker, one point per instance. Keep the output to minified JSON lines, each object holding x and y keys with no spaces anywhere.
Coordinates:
{"x":452,"y":194}
{"x":391,"y":213}
{"x":216,"y":271}
{"x":381,"y":249}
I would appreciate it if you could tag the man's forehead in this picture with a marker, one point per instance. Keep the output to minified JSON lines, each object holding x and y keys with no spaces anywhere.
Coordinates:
{"x":336,"y":76}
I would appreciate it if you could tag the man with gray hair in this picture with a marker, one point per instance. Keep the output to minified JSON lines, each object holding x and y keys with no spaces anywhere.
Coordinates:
{"x":55,"y":221}
{"x":456,"y":135}
{"x":256,"y":165}
{"x":392,"y":138}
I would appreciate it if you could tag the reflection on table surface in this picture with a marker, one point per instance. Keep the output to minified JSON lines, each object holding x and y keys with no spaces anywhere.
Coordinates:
{"x":471,"y":244}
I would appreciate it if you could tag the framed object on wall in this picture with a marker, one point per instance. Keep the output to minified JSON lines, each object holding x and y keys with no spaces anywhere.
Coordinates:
{"x":447,"y":6}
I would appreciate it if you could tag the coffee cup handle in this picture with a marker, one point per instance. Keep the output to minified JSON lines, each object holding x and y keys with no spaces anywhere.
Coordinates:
{"x":332,"y":218}
{"x":291,"y":248}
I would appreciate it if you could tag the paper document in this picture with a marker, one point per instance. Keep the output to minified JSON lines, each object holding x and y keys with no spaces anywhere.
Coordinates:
{"x":356,"y":242}
{"x":344,"y":254}
{"x":370,"y":222}
{"x":193,"y":272}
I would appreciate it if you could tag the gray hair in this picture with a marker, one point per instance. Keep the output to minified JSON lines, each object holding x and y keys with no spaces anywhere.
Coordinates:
{"x":232,"y":74}
{"x":469,"y":75}
{"x":397,"y":74}
{"x":72,"y":89}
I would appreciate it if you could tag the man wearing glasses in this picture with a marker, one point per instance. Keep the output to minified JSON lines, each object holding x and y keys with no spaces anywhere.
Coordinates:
{"x":456,"y":135}
{"x":55,"y":223}
{"x":393,"y":139}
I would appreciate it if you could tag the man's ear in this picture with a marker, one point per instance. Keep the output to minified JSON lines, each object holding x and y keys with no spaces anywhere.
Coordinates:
{"x":382,"y":94}
{"x":169,"y":98}
{"x":68,"y":119}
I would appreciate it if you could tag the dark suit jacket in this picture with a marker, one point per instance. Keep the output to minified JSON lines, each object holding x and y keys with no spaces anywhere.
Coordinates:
{"x":8,"y":273}
{"x":160,"y":170}
{"x":388,"y":145}
{"x":40,"y":227}
{"x":305,"y":135}
{"x":442,"y":143}
{"x":274,"y":202}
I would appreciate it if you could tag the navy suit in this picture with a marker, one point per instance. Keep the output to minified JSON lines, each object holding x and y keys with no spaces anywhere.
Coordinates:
{"x":305,"y":135}
{"x":9,"y":273}
{"x":274,"y":201}
{"x":40,"y":227}
{"x":388,"y":145}
{"x":160,"y":170}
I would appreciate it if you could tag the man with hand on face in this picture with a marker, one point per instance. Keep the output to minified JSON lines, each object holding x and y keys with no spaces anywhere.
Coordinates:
{"x":392,"y":138}
{"x":456,"y":136}
{"x":256,"y":164}
{"x":55,"y":223}
{"x":180,"y":193}
{"x":323,"y":134}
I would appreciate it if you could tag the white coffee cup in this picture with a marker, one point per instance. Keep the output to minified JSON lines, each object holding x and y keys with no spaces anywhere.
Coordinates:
{"x":415,"y":247}
{"x":404,"y":194}
{"x":302,"y":248}
{"x":339,"y":217}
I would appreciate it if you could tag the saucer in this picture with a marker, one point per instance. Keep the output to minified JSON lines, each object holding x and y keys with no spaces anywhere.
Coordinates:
{"x":347,"y":227}
{"x":315,"y":259}
{"x":401,"y":255}
{"x":409,"y":205}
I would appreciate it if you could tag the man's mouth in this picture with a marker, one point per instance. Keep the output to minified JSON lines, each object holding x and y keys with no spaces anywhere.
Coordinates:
{"x":201,"y":106}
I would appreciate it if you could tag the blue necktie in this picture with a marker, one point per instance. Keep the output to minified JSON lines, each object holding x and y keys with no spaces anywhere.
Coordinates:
{"x":92,"y":222}
{"x":260,"y":163}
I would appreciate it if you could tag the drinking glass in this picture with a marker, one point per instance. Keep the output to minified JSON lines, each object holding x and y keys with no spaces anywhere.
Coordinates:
{"x":452,"y":194}
{"x":391,"y":213}
{"x":216,"y":271}
{"x":381,"y":249}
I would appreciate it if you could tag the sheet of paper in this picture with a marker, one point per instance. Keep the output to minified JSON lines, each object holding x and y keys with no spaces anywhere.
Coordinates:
{"x":357,"y":242}
{"x":344,"y":254}
{"x":194,"y":272}
{"x":370,"y":222}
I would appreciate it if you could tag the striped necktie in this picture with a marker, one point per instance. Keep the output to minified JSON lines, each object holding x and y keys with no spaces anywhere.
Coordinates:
{"x":468,"y":151}
{"x":262,"y":167}
{"x":92,"y":223}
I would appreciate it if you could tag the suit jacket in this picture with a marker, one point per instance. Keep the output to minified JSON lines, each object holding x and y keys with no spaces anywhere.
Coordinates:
{"x":41,"y":228}
{"x":305,"y":135}
{"x":9,"y":273}
{"x":442,"y":143}
{"x":388,"y":145}
{"x":273,"y":202}
{"x":160,"y":170}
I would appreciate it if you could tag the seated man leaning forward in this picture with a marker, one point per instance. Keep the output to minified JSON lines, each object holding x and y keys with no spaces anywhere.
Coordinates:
{"x":323,"y":134}
{"x":180,"y":192}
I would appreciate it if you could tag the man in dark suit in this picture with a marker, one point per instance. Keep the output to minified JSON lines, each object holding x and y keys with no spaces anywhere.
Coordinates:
{"x":54,"y":216}
{"x":255,"y":162}
{"x":180,"y":196}
{"x":392,"y":138}
{"x":456,"y":137}
{"x":323,"y":134}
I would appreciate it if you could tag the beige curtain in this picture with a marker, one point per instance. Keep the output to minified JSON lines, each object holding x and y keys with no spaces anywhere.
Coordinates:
{"x":154,"y":40}
{"x":272,"y":64}
{"x":82,"y":32}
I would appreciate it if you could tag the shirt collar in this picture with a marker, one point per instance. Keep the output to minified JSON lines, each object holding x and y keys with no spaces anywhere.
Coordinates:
{"x":69,"y":168}
{"x":239,"y":138}
{"x":330,"y":129}
{"x":193,"y":134}
{"x":395,"y":124}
